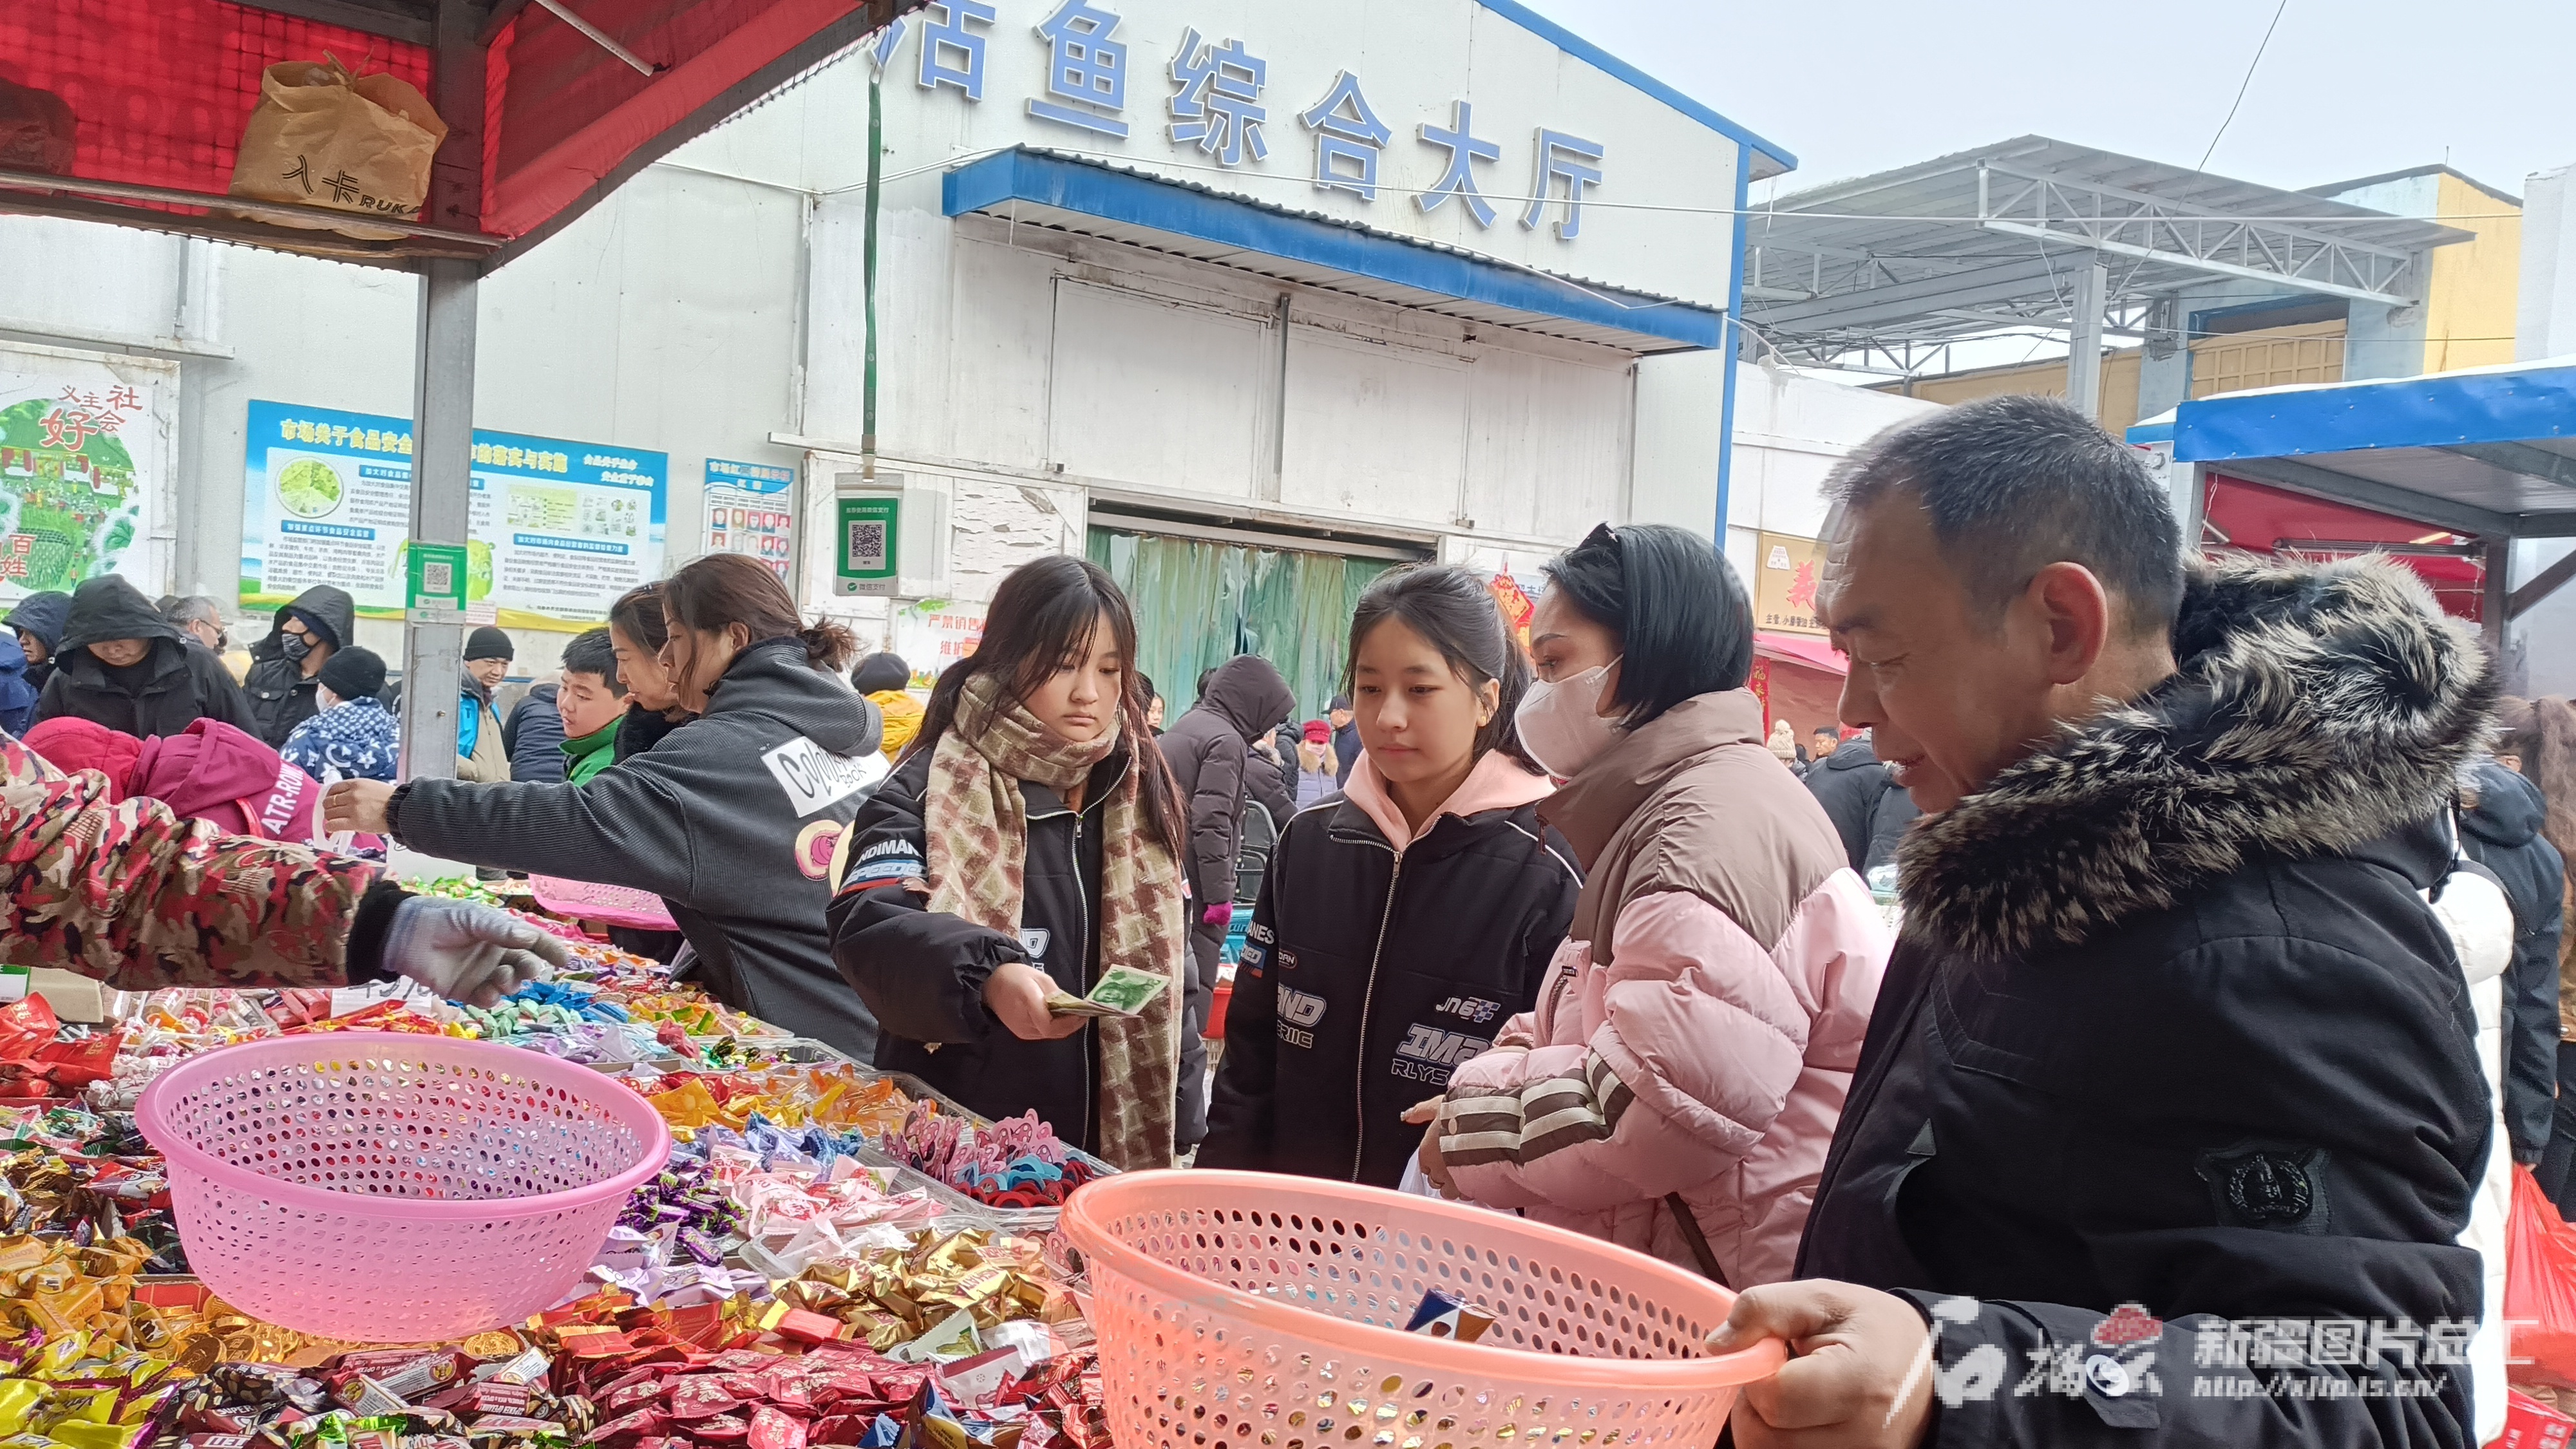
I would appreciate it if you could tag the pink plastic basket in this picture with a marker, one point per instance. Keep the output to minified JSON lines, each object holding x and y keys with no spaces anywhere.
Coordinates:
{"x":1243,"y":1310}
{"x":395,"y":1188}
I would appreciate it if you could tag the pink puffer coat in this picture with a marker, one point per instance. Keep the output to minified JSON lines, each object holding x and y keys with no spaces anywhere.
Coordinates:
{"x":1698,"y":1028}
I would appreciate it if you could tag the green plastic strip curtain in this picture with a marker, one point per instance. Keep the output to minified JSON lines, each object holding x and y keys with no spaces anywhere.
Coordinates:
{"x":1199,"y":604}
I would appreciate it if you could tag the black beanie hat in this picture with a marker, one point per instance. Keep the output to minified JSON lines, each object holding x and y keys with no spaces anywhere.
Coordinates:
{"x":489,"y":643}
{"x":880,"y":672}
{"x":355,"y":673}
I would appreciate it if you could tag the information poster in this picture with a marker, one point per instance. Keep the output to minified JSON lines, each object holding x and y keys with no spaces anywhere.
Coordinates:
{"x":555,"y":532}
{"x":84,"y":451}
{"x":935,"y":633}
{"x":751,"y":510}
{"x":1784,"y":587}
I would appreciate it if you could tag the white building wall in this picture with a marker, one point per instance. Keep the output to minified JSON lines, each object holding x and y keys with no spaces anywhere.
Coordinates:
{"x":1790,"y":431}
{"x":712,"y":308}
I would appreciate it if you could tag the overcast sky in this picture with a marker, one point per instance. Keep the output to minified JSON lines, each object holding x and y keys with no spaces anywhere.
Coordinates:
{"x":2347,"y":88}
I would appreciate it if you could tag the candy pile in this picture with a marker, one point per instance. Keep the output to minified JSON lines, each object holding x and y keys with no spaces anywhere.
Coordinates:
{"x":1014,"y":1163}
{"x":837,"y":1096}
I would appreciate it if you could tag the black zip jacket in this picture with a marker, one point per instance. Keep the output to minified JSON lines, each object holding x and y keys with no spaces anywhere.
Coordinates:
{"x":1365,"y":979}
{"x":1869,"y":809}
{"x":2502,"y":833}
{"x":923,"y":972}
{"x":2170,"y":1024}
{"x":281,"y":693}
{"x":533,"y":738}
{"x":732,"y":822}
{"x":173,"y":687}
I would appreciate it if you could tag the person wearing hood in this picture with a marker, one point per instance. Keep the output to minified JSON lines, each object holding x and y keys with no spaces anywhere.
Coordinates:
{"x":38,"y":623}
{"x":482,"y":755}
{"x":126,"y":667}
{"x":285,"y":667}
{"x":2500,"y":817}
{"x":1676,"y":1086}
{"x":732,"y":821}
{"x":1210,"y":750}
{"x":1028,"y":843}
{"x":885,"y":680}
{"x":2176,"y":1038}
{"x":1400,"y":924}
{"x":17,"y":695}
{"x":354,"y":737}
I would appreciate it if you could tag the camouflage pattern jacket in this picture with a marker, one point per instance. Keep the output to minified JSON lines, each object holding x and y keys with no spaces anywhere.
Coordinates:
{"x":137,"y":897}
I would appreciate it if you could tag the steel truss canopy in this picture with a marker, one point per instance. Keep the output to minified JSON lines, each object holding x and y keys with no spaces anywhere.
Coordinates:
{"x":1992,"y":239}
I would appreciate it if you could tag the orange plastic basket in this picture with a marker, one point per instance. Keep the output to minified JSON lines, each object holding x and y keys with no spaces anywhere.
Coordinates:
{"x":1247,"y":1310}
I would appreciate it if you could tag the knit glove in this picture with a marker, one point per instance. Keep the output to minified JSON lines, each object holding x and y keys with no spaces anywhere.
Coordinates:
{"x":466,"y":952}
{"x":1220,"y":914}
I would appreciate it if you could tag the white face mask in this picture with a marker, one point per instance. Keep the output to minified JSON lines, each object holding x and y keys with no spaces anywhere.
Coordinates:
{"x":1561,"y":724}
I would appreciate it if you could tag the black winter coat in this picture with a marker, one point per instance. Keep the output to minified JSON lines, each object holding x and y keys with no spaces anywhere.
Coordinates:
{"x":732,"y":822}
{"x":1869,"y":809}
{"x":534,"y":737}
{"x":1361,"y":986}
{"x":2169,"y":1025}
{"x":173,"y":687}
{"x":281,"y":693}
{"x":2502,"y":833}
{"x":922,"y":973}
{"x":1208,"y":749}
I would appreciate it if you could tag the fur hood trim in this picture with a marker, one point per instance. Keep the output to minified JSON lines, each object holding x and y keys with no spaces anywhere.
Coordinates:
{"x":2317,"y":707}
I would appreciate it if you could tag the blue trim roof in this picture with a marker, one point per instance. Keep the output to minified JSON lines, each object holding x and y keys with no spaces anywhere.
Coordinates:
{"x":1128,"y":199}
{"x":1575,"y":45}
{"x":2497,"y":405}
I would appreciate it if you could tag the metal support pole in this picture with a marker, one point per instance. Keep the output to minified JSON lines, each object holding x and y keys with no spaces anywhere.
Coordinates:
{"x":2493,"y":603}
{"x":2084,"y":341}
{"x":442,"y":483}
{"x":868,"y":277}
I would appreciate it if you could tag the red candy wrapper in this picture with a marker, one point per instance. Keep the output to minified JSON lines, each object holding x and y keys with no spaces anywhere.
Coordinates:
{"x":771,"y":1429}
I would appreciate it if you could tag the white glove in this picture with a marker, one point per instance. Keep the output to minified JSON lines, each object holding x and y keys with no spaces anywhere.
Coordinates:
{"x":466,"y":952}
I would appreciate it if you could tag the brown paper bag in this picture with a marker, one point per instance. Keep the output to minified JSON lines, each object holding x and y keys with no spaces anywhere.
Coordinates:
{"x":319,"y":138}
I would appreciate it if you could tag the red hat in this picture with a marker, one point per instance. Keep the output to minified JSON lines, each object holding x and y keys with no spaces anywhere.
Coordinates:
{"x":1317,"y":732}
{"x":73,"y":745}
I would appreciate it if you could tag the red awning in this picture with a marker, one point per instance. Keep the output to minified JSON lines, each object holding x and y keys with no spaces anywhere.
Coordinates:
{"x":543,"y":120}
{"x":1808,"y":650}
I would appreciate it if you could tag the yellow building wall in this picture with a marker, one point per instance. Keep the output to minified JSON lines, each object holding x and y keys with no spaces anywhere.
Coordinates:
{"x":2119,"y":400}
{"x":2267,"y":357}
{"x":2469,"y":301}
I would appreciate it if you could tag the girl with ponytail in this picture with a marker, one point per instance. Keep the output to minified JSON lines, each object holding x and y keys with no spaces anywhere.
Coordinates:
{"x":732,"y":820}
{"x":1404,"y":920}
{"x":1026,"y":843}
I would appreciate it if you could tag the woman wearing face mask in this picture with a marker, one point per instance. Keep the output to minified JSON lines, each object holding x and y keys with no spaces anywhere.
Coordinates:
{"x":1401,"y":925}
{"x":732,"y":821}
{"x":1026,"y":844}
{"x":1678,"y":1084}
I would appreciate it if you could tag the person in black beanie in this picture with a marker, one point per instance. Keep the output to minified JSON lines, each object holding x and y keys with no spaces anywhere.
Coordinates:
{"x":482,"y":755}
{"x":354,"y":737}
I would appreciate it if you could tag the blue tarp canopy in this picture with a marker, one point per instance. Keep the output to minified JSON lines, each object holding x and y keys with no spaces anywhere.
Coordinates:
{"x":2490,"y":452}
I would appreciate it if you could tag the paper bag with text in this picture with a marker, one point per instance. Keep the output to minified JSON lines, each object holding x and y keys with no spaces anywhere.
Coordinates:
{"x":319,"y":137}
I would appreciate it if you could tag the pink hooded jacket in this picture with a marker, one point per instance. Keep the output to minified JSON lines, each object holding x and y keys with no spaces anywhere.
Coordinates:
{"x":1698,"y":1028}
{"x":223,"y":775}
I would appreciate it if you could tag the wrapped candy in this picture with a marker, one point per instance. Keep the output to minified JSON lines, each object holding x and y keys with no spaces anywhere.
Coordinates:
{"x":1017,"y":1162}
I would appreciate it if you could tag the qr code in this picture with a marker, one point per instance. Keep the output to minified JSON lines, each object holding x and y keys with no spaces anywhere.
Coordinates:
{"x":437,"y":577}
{"x":868,"y":547}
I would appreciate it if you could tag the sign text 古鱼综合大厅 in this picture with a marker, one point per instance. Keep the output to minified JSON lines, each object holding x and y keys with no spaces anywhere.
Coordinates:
{"x":556,"y":529}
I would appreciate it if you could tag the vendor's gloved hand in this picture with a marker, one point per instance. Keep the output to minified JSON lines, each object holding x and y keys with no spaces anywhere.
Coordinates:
{"x":1220,"y":914}
{"x":466,"y":952}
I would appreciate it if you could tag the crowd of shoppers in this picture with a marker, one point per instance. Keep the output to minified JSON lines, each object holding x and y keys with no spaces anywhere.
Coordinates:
{"x":2231,"y":983}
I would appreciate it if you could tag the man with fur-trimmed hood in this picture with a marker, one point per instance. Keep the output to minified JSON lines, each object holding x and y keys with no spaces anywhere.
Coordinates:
{"x":2174,"y":1063}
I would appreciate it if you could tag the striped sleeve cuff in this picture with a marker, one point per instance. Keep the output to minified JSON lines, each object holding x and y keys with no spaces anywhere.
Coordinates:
{"x":1546,"y":1115}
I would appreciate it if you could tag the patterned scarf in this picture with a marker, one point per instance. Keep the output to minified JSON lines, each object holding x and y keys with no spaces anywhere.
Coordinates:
{"x":978,"y":829}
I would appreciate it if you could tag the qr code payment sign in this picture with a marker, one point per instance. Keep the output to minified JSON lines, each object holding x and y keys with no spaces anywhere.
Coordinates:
{"x":868,"y":546}
{"x":438,"y":577}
